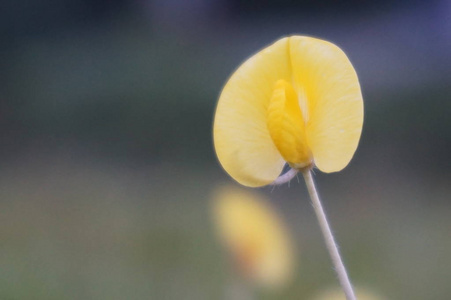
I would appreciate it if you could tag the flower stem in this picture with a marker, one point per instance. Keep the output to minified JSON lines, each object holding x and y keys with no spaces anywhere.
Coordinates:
{"x":328,"y":237}
{"x":285,"y":177}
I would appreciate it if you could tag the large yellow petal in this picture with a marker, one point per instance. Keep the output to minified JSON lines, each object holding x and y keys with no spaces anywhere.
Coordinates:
{"x":241,"y":138}
{"x":330,"y":98}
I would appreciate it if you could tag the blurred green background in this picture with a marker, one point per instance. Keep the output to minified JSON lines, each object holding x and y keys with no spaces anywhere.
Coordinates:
{"x":107,"y":163}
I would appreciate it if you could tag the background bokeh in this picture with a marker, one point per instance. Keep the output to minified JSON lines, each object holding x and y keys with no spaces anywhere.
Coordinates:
{"x":107,"y":165}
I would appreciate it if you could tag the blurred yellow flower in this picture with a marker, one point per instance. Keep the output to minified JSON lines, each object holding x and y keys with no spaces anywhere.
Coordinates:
{"x":298,"y":101}
{"x":254,"y":236}
{"x":337,"y":294}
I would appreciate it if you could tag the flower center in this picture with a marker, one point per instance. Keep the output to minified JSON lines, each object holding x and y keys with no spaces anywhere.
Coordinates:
{"x":287,"y":127}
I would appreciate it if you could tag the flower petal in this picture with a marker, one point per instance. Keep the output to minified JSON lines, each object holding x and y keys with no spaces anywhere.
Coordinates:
{"x":329,"y":94}
{"x":286,"y":125}
{"x":241,"y":137}
{"x":255,"y":235}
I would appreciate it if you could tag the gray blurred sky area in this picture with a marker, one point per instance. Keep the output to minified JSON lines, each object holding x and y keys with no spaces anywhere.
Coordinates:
{"x":405,"y":42}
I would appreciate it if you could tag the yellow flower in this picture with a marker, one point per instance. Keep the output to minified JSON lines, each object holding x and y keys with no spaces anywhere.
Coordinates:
{"x":298,"y":101}
{"x":337,"y":294}
{"x":254,"y":236}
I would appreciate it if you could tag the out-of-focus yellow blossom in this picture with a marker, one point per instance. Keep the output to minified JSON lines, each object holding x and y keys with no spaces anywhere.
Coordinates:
{"x":337,"y":294}
{"x":255,"y":237}
{"x":298,"y":101}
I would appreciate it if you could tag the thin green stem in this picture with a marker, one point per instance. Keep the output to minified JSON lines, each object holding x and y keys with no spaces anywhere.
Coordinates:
{"x":328,"y":237}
